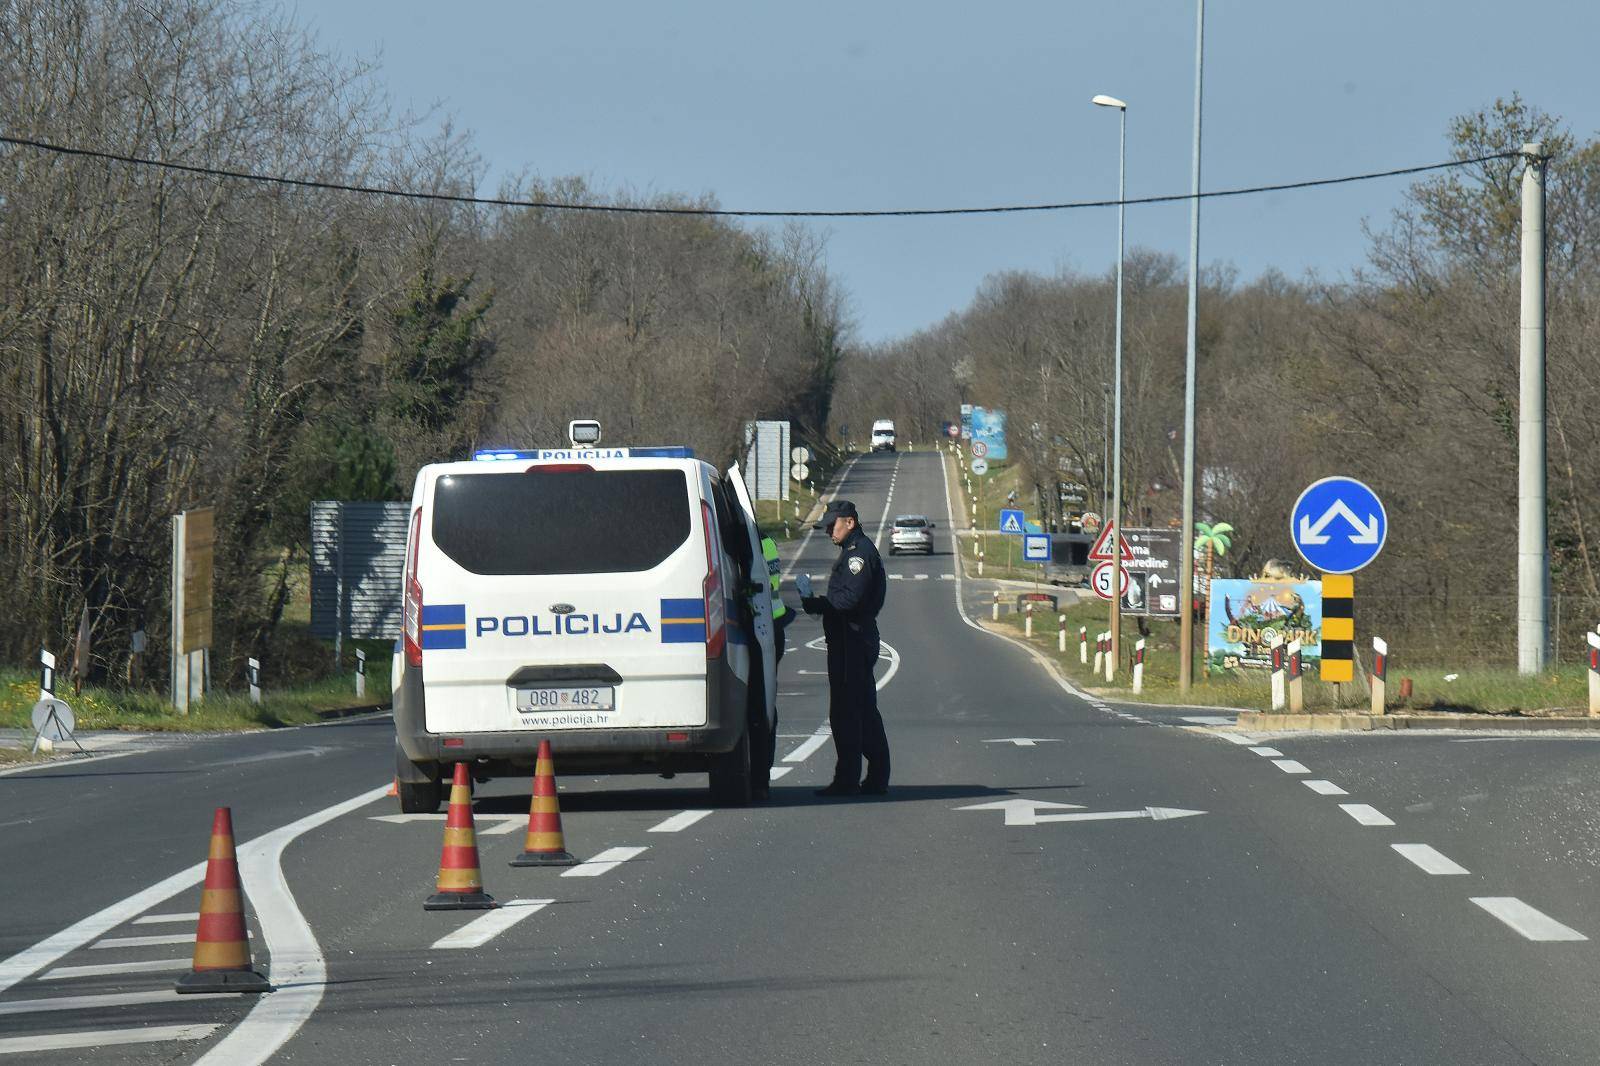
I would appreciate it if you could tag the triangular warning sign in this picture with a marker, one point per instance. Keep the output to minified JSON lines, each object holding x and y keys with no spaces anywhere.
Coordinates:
{"x":1011,"y":525}
{"x":1101,"y":550}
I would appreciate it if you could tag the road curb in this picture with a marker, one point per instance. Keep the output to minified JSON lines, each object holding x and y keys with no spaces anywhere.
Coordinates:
{"x":1282,"y":723}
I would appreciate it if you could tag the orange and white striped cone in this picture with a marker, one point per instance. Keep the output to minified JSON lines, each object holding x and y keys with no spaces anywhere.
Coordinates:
{"x":221,"y":941}
{"x":460,"y":881}
{"x":546,"y":845}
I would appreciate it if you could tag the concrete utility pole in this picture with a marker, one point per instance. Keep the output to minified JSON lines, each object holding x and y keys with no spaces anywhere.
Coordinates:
{"x":1533,"y":547}
{"x":1186,"y":557}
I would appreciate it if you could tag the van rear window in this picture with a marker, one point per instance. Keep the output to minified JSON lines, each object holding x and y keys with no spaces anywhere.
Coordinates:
{"x":561,"y":521}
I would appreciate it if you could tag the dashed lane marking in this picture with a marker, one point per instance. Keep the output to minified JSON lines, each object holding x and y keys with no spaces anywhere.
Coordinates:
{"x":1289,"y":766}
{"x":1428,"y":860}
{"x":157,"y":919}
{"x":1268,"y":753}
{"x":1325,"y":788}
{"x":67,"y":973}
{"x":96,"y":1002}
{"x":1208,"y":719}
{"x":679,"y":822}
{"x":1532,"y":924}
{"x":604,"y":862}
{"x":151,"y":1034}
{"x":1240,"y":739}
{"x":480,"y":931}
{"x":1366,"y":814}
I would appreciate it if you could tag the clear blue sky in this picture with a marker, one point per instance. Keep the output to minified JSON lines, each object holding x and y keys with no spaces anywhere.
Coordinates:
{"x":860,"y":104}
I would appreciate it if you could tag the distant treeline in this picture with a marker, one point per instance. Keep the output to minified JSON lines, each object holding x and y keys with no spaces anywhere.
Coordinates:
{"x":1404,"y":374}
{"x":170,"y":341}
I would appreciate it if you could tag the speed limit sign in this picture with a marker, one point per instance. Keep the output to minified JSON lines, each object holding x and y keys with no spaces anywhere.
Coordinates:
{"x":980,"y":450}
{"x":1101,"y":580}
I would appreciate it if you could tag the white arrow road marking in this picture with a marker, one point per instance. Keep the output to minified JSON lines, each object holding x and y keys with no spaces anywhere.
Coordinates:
{"x":480,"y":931}
{"x":1025,"y":742}
{"x":1018,"y":811}
{"x":1365,"y":533}
{"x":1157,"y":814}
{"x":1531,"y":923}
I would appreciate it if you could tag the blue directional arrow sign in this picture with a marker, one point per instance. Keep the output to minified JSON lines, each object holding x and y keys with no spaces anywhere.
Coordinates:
{"x":1012,"y":521}
{"x":1036,"y":547}
{"x":1338,"y":525}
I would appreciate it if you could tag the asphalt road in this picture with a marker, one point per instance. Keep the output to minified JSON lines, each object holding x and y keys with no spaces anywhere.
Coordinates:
{"x":1225,"y":906}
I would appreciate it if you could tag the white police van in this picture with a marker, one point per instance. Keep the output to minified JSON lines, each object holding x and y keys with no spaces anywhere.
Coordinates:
{"x":610,"y":600}
{"x":883,"y":436}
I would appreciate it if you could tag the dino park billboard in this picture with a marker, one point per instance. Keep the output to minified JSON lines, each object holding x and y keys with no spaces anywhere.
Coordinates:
{"x":1243,"y":613}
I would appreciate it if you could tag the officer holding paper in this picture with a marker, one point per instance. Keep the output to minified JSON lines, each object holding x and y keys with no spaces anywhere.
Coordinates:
{"x":856,"y":590}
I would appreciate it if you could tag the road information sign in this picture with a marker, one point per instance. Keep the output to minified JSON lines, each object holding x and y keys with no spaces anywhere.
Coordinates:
{"x":1036,"y":547}
{"x":1338,"y":525}
{"x":1150,"y":570}
{"x":980,"y":467}
{"x":1012,"y":521}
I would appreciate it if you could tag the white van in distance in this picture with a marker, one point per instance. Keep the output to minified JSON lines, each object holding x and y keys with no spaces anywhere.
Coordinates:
{"x":883,"y":435}
{"x":600,"y":598}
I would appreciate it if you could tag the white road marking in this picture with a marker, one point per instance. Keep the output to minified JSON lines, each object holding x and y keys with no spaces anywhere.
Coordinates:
{"x":1325,"y":788}
{"x":947,"y":577}
{"x":813,"y":673}
{"x":777,"y":772}
{"x":113,"y":942}
{"x":805,"y":751}
{"x":66,"y":973}
{"x":604,"y":862}
{"x":503,"y":823}
{"x":921,"y":577}
{"x":480,"y":931}
{"x":1366,"y":814}
{"x":897,"y":577}
{"x":791,"y":693}
{"x":157,"y":919}
{"x":1533,"y":924}
{"x":1428,"y":860}
{"x":679,"y":822}
{"x":1208,"y":719}
{"x":111,"y":999}
{"x":1268,"y":753}
{"x":1241,"y":739}
{"x":151,"y":1034}
{"x":298,"y":970}
{"x":1289,"y":766}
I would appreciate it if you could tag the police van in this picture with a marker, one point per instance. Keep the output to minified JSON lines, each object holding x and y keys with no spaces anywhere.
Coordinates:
{"x":611,"y":600}
{"x":883,"y":436}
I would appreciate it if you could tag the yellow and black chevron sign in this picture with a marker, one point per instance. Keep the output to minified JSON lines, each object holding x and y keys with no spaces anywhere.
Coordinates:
{"x":1338,"y":627}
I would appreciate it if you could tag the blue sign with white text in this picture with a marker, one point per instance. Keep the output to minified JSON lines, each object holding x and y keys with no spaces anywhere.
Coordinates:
{"x":1012,"y":521}
{"x":1338,"y":525}
{"x":1036,"y":547}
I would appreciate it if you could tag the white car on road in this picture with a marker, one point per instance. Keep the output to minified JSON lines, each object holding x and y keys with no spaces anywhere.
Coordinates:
{"x":911,"y":533}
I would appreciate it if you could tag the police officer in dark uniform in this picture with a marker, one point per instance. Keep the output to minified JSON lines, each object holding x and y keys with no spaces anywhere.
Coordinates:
{"x":849,"y":611}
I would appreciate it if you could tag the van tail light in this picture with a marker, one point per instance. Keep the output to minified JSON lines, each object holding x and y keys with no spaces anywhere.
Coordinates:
{"x":413,"y":598}
{"x":716,"y":611}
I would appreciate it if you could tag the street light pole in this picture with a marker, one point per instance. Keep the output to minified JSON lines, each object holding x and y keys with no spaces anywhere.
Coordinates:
{"x":1116,"y":425}
{"x":1533,"y":544}
{"x":1186,"y":555}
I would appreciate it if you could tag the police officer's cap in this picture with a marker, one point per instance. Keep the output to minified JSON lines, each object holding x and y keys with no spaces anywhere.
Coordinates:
{"x":839,"y":509}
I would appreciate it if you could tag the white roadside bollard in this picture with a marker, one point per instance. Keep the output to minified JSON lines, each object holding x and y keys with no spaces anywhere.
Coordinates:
{"x":1111,"y":660}
{"x":1380,"y":674}
{"x":1027,"y":620}
{"x":1594,"y":674}
{"x":980,"y":566}
{"x":1061,"y":633}
{"x":1297,"y":699}
{"x":994,"y":611}
{"x":1099,"y":653}
{"x":1275,"y":642}
{"x":1138,"y":666}
{"x":252,"y":674}
{"x":1083,"y":645}
{"x":361,"y":673}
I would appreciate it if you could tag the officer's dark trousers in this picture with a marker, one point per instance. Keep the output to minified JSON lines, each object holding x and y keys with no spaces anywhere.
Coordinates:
{"x":853,"y":711}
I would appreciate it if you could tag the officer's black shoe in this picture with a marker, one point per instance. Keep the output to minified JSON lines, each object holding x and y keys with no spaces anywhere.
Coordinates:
{"x":839,"y":788}
{"x":874,"y":788}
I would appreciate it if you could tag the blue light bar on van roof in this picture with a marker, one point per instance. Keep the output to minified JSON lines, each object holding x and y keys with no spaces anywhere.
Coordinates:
{"x":493,"y":455}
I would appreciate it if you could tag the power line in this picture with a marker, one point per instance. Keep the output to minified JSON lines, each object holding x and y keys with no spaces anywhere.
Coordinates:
{"x":493,"y":201}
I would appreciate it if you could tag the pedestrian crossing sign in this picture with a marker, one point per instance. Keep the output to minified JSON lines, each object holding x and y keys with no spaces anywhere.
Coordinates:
{"x":1011,"y":521}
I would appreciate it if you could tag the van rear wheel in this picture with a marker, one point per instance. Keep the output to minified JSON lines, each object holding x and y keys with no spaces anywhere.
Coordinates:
{"x":730,"y":775}
{"x":417,"y":797}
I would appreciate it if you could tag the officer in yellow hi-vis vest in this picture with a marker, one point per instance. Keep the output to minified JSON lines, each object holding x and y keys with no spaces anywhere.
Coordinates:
{"x":781,"y":615}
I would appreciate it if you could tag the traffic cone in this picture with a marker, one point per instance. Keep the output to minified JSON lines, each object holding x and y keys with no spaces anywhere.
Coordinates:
{"x":221,"y":942}
{"x":394,"y":788}
{"x":460,"y":881}
{"x":546,"y":844}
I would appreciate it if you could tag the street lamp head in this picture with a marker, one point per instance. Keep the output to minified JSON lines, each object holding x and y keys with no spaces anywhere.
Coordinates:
{"x":1109,"y":101}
